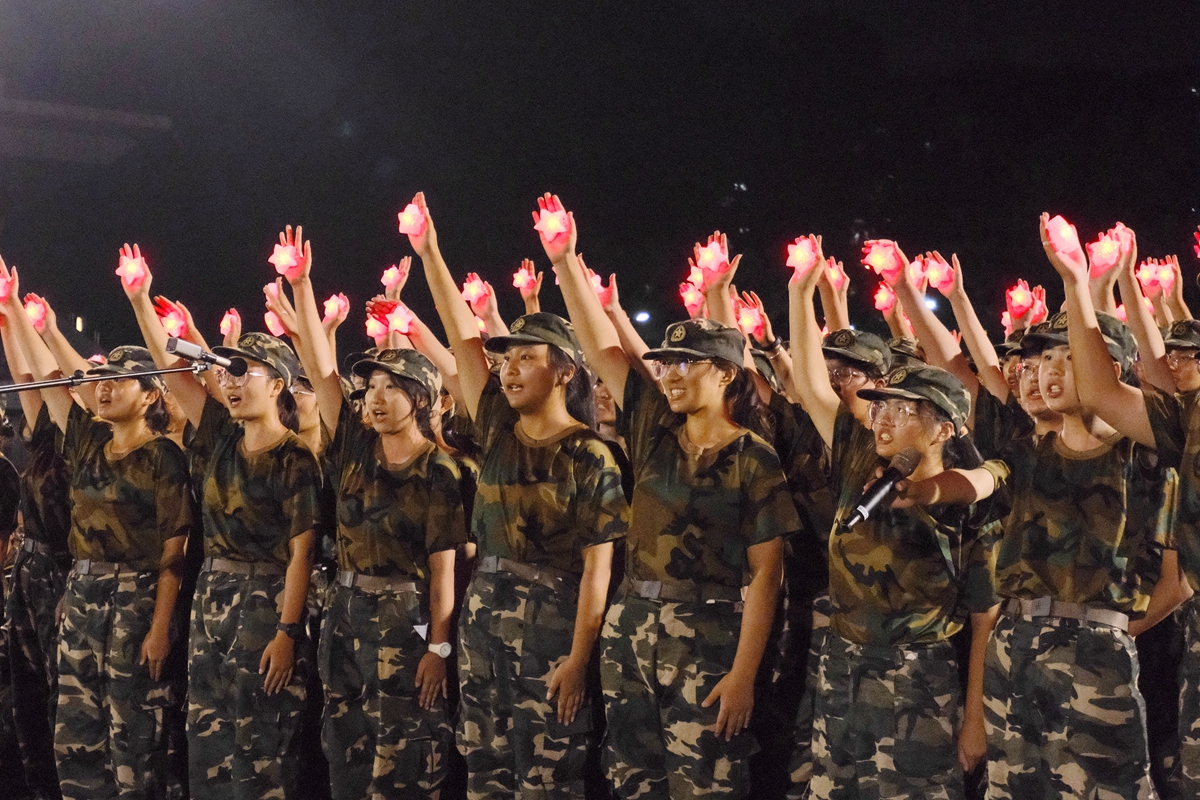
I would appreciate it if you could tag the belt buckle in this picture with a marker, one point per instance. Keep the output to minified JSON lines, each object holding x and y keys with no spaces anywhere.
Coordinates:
{"x":1040,"y":607}
{"x":346,"y":579}
{"x":83,"y":566}
{"x":650,"y":590}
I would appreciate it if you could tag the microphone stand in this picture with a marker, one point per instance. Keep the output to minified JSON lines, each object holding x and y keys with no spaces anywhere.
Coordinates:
{"x":79,"y":377}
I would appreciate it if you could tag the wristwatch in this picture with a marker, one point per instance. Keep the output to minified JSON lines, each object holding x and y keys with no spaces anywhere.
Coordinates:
{"x":442,"y":650}
{"x":294,"y":630}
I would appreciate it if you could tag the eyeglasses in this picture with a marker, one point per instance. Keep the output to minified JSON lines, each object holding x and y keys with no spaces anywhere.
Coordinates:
{"x":900,"y":412}
{"x":660,"y":368}
{"x":845,"y":375}
{"x":236,"y":381}
{"x":302,"y":390}
{"x":1177,"y":358}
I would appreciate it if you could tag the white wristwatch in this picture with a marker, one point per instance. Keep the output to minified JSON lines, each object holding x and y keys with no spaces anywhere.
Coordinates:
{"x":442,"y":650}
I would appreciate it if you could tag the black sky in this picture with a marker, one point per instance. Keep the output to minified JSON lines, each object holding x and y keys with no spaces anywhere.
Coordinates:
{"x":947,"y":125}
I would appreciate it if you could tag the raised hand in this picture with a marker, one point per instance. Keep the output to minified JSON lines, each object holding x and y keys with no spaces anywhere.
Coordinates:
{"x":806,"y":279}
{"x":528,"y":281}
{"x":424,"y":242}
{"x":395,"y":278}
{"x":556,"y":228}
{"x":1072,"y":267}
{"x":289,"y":238}
{"x":767,"y":334}
{"x":278,"y":302}
{"x":135,"y":275}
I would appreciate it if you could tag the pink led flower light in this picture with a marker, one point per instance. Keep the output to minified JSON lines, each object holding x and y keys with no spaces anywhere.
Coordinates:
{"x":552,"y":224}
{"x":335,"y":305}
{"x":286,"y":259}
{"x":1063,"y":237}
{"x":802,"y":254}
{"x":881,"y":255}
{"x":885,"y":298}
{"x":412,"y":220}
{"x":231,"y":318}
{"x":1019,"y":299}
{"x":273,"y":324}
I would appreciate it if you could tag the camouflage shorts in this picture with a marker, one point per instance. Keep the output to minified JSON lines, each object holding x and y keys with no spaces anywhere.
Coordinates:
{"x":241,"y":741}
{"x":512,"y":636}
{"x":885,"y":721}
{"x":110,"y":738}
{"x":801,"y":766}
{"x":1186,"y":778}
{"x":378,"y":740}
{"x":1063,"y":712}
{"x":38,"y":583}
{"x":659,"y":661}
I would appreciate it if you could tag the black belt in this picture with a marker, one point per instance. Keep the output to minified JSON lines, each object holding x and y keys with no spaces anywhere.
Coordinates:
{"x":1049,"y":607}
{"x":530,"y":573}
{"x":250,"y":568}
{"x":33,"y":546}
{"x":375,"y":583}
{"x":681,"y":592}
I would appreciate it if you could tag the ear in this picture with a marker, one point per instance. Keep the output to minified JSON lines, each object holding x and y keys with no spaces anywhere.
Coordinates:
{"x":879,"y":383}
{"x":565,"y":377}
{"x":1117,"y":369}
{"x":276,"y":387}
{"x":945,"y":431}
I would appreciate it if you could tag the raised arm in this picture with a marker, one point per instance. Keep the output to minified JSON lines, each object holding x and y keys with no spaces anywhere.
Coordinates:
{"x":38,"y":358}
{"x":1179,"y":309}
{"x":597,"y":335}
{"x":456,"y":316}
{"x":811,"y":378}
{"x":987,"y":363}
{"x":631,"y":341}
{"x":1151,"y":350}
{"x":1118,"y":404}
{"x":18,"y":367}
{"x":190,"y":393}
{"x":833,"y":289}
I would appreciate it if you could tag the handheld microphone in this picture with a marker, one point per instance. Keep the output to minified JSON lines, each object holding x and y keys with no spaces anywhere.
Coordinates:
{"x":901,"y":466}
{"x":192,"y":352}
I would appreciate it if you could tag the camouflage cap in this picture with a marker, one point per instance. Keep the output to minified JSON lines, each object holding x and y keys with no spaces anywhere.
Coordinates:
{"x":1012,"y":343}
{"x":539,"y":328}
{"x":266,"y":349}
{"x":862,"y":347}
{"x":129,"y":360}
{"x":1183,"y":335}
{"x":700,"y":338}
{"x":906,"y":352}
{"x":353,"y":358}
{"x":405,"y":363}
{"x":762,"y":362}
{"x":926,"y":383}
{"x":1117,"y":337}
{"x":1030,"y":342}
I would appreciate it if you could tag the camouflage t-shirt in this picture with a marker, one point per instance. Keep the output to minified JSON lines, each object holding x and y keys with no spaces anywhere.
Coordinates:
{"x":253,"y":504}
{"x":46,"y":487}
{"x":542,"y":501}
{"x":1175,"y":420}
{"x":10,"y":497}
{"x":1083,"y":527}
{"x":123,"y":509}
{"x":391,"y":517}
{"x":997,"y":424}
{"x":903,"y":576}
{"x":693,"y":519}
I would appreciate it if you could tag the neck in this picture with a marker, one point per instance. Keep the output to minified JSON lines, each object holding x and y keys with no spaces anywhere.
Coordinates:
{"x":548,"y":420}
{"x":931,"y":464}
{"x":312,"y":438}
{"x":1045,"y":423}
{"x":262,"y":431}
{"x":708,"y":426}
{"x":400,"y":446}
{"x":128,"y":435}
{"x":1084,"y":431}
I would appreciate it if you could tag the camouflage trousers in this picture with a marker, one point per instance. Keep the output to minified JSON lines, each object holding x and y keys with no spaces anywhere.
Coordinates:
{"x":1186,"y":777}
{"x":885,"y":721}
{"x":241,"y":741}
{"x":39,"y":579}
{"x":379,"y":742}
{"x":110,"y":737}
{"x":659,"y":661}
{"x":512,"y":636}
{"x":1063,"y":712}
{"x":801,"y":767}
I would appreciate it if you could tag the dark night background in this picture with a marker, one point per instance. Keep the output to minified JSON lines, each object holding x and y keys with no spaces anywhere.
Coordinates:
{"x":947,"y":125}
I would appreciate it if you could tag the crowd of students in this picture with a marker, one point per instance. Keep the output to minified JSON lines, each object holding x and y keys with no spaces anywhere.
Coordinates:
{"x":544,"y":559}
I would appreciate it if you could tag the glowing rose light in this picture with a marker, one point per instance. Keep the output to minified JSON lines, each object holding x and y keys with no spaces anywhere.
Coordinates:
{"x":1063,"y":237}
{"x":881,"y":256}
{"x":473,"y":289}
{"x":1039,"y":312}
{"x":36,"y":311}
{"x":231,"y":318}
{"x":171,"y":318}
{"x":1019,"y":299}
{"x":286,"y":259}
{"x":273,"y":323}
{"x":399,"y":320}
{"x":885,"y":298}
{"x":524,"y":280}
{"x":939,"y":274}
{"x":391,"y":277}
{"x":1006,"y":321}
{"x":837,"y":275}
{"x":98,"y":359}
{"x":6,"y":287}
{"x":916,"y":271}
{"x":1166,"y":277}
{"x":696,"y":277}
{"x":749,"y":319}
{"x":552,"y":225}
{"x":376,"y":329}
{"x":693,"y":298}
{"x":335,"y":305}
{"x":412,"y":220}
{"x":1147,"y":275}
{"x":132,"y":271}
{"x":802,"y":254}
{"x":710,"y":258}
{"x":1104,"y":253}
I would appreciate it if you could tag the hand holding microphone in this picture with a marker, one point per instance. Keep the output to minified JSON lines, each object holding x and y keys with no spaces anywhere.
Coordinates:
{"x":902,"y":465}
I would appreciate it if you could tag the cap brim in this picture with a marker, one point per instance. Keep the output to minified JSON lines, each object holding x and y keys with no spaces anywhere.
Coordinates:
{"x":685,"y":353}
{"x":233,"y":352}
{"x":848,"y":355}
{"x":364,"y":367}
{"x":498,"y":344}
{"x":1181,"y":344}
{"x":112,"y":369}
{"x":887,"y":394}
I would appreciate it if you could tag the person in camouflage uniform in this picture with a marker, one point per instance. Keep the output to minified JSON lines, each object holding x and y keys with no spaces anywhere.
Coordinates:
{"x":10,"y":501}
{"x":1084,"y":563}
{"x":131,"y":512}
{"x":39,"y":578}
{"x":386,"y":731}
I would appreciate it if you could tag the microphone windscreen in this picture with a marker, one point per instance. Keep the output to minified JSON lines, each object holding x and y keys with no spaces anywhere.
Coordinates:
{"x":237,"y":368}
{"x":905,"y":462}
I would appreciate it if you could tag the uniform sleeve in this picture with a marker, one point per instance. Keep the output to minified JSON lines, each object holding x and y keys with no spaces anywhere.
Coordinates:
{"x":10,"y":497}
{"x":349,"y":433}
{"x":768,"y":510}
{"x":1168,"y":420}
{"x":642,"y":411}
{"x":214,"y":425}
{"x":445,"y":521}
{"x":853,"y":446}
{"x":175,"y":505}
{"x":979,"y":574}
{"x":601,"y":512}
{"x":302,"y":501}
{"x":492,"y":415}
